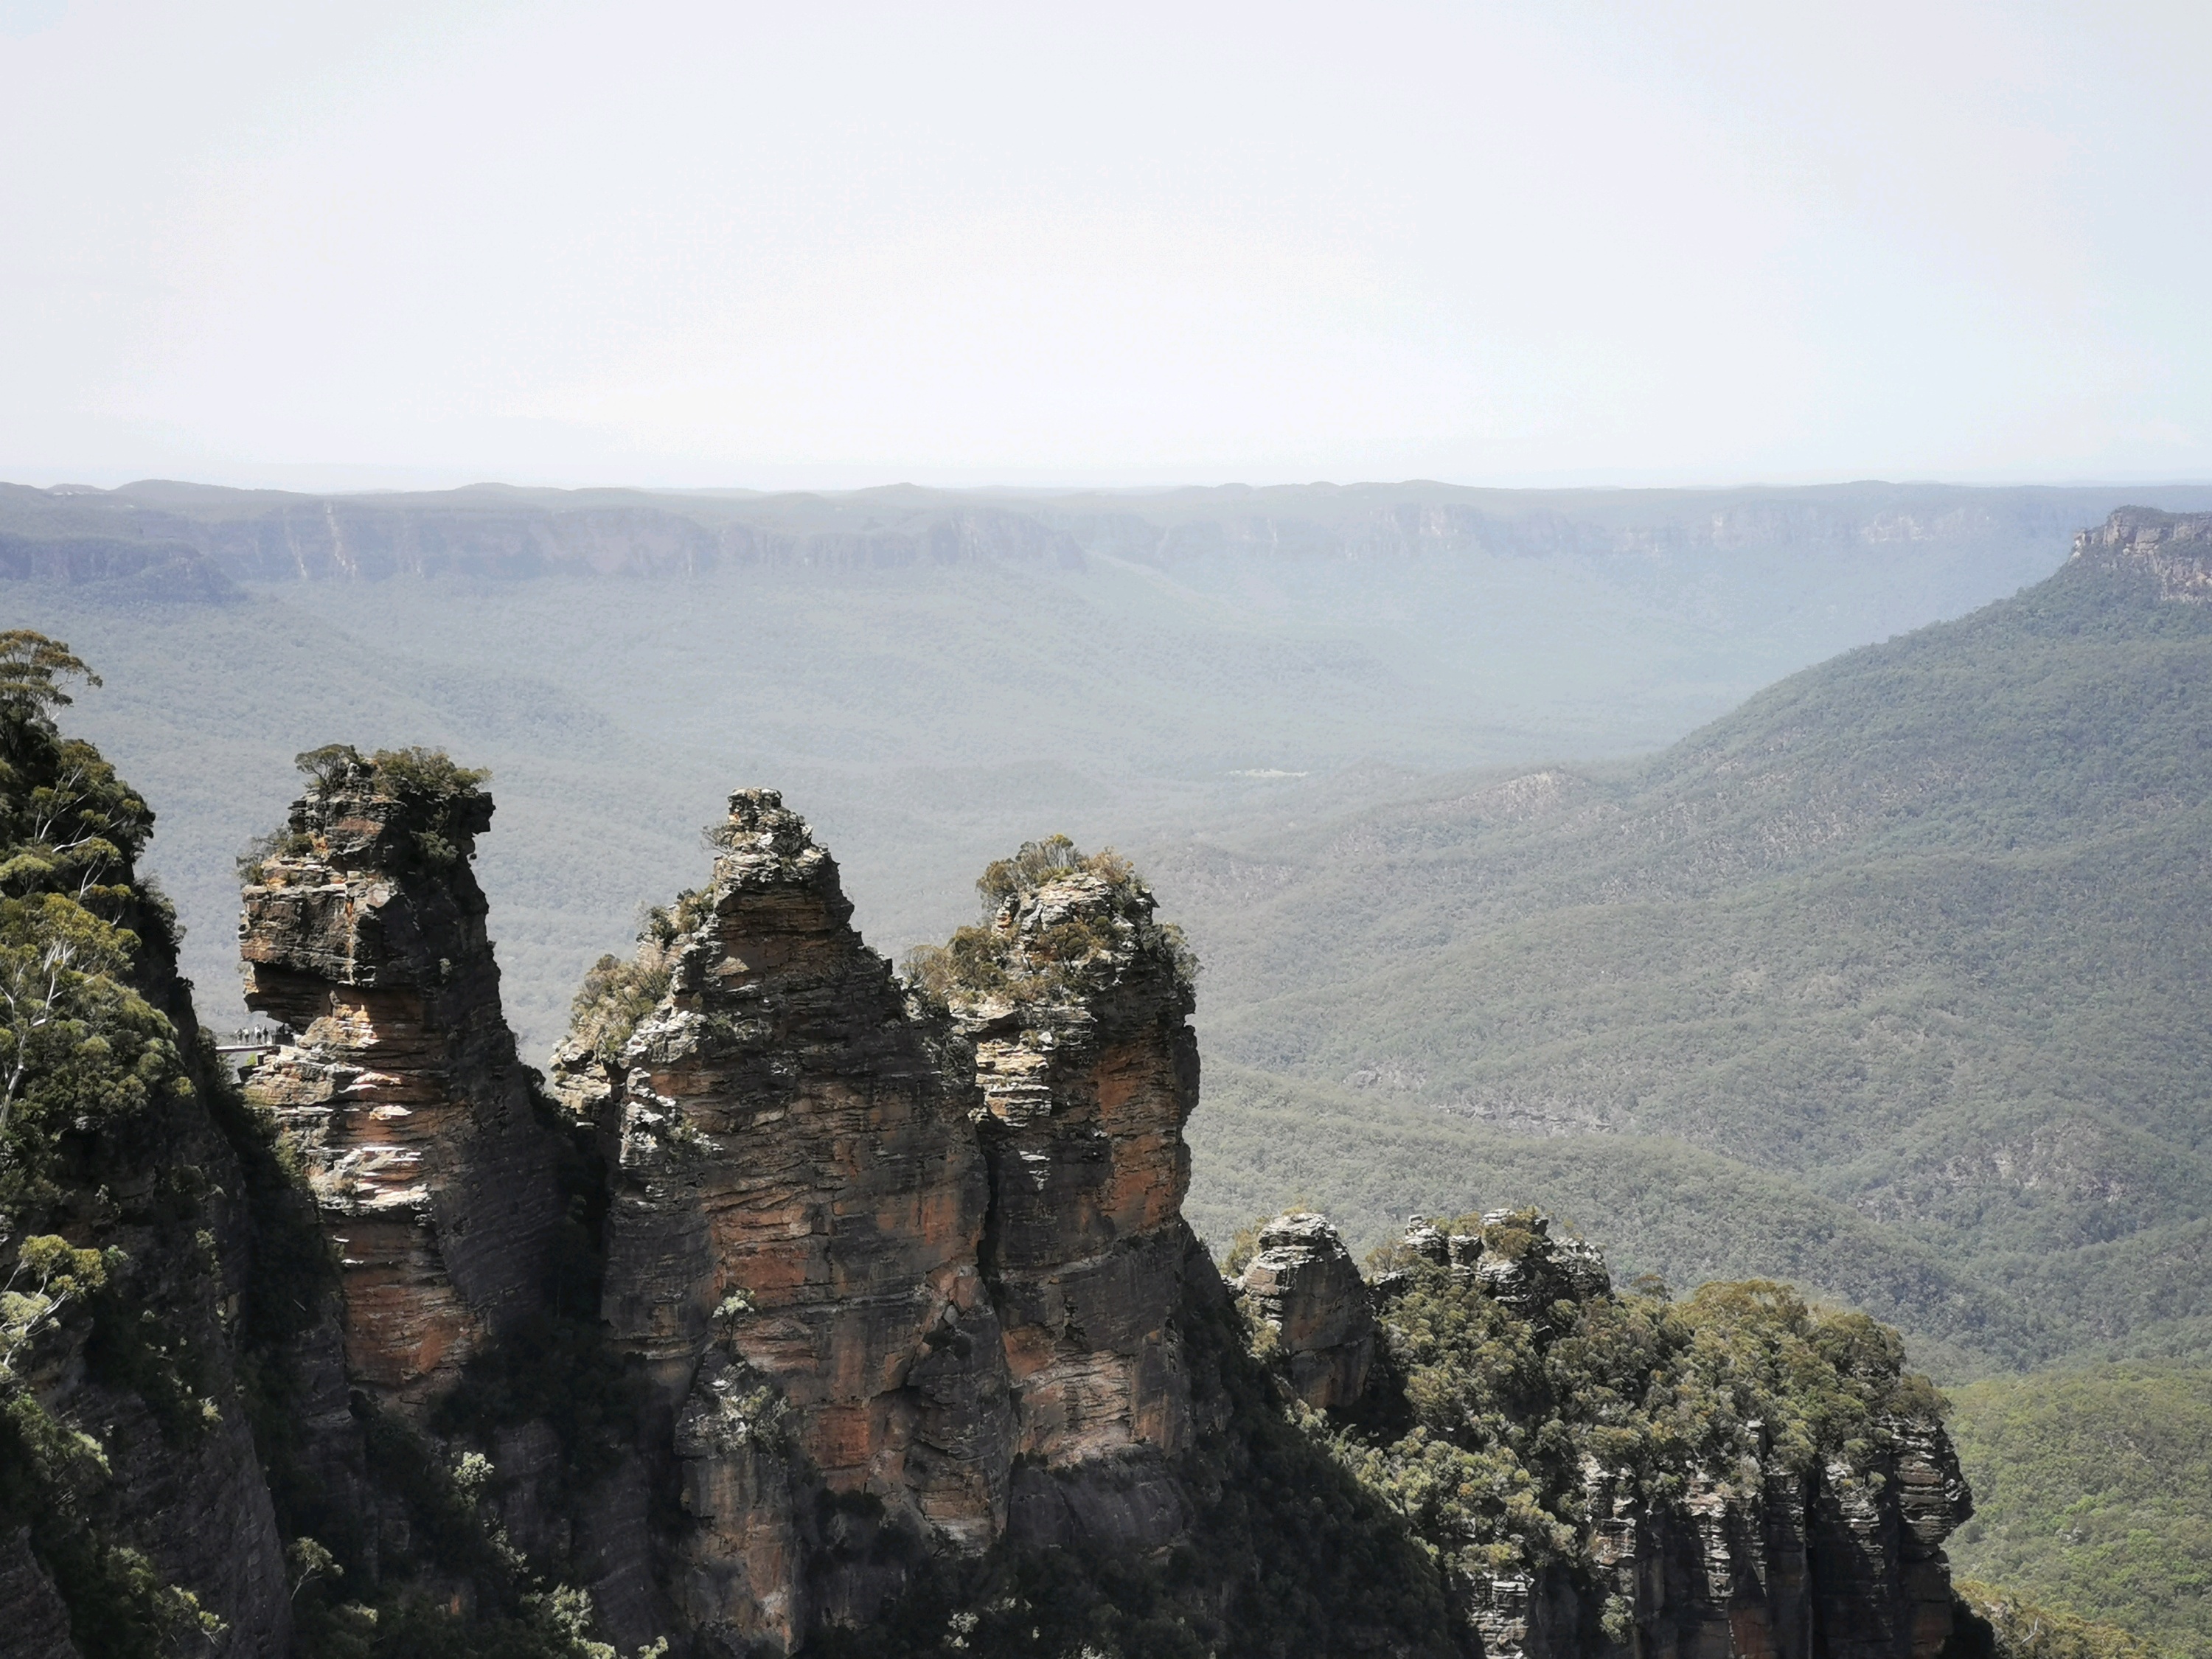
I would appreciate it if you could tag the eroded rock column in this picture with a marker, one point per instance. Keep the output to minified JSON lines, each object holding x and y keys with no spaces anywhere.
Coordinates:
{"x":1079,"y":1013}
{"x":1305,"y":1285}
{"x":363,"y":933}
{"x":792,"y":1245}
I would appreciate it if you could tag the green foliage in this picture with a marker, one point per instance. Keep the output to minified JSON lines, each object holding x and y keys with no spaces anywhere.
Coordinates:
{"x":616,"y":994}
{"x":2004,"y":1624}
{"x":2091,"y":1495}
{"x":449,"y":798}
{"x":416,"y":774}
{"x":30,"y":667}
{"x":544,"y":1625}
{"x":1039,"y":863}
{"x":80,"y":1048}
{"x":445,"y":800}
{"x":1014,"y":957}
{"x":328,"y":766}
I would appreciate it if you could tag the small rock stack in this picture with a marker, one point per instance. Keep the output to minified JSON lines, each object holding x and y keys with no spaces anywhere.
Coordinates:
{"x":1305,"y":1285}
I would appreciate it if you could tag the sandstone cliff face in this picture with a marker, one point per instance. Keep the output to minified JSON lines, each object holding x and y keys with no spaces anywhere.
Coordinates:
{"x":1088,"y":1069}
{"x":1305,"y":1287}
{"x":363,"y":933}
{"x":792,"y":1247}
{"x":2173,"y":550}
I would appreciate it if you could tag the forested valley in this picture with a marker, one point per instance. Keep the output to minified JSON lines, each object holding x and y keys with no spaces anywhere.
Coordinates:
{"x":1886,"y":979}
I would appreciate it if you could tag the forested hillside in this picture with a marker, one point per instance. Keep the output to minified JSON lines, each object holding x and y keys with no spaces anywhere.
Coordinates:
{"x":1908,"y":954}
{"x":2090,"y":1492}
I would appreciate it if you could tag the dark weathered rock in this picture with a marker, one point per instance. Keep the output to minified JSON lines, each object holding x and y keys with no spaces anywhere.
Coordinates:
{"x":1086,"y":1086}
{"x":363,"y":933}
{"x":35,"y":1622}
{"x":1304,"y":1284}
{"x":792,"y":1245}
{"x":1782,"y":1566}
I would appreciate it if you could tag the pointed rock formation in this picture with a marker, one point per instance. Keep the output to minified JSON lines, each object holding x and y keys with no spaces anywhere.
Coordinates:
{"x":792,"y":1245}
{"x":363,"y":935}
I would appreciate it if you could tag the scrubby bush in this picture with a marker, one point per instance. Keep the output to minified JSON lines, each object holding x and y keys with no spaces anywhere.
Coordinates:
{"x":1013,"y":956}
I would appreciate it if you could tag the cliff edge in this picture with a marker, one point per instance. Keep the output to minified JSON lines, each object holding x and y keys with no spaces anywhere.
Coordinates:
{"x":812,"y":1306}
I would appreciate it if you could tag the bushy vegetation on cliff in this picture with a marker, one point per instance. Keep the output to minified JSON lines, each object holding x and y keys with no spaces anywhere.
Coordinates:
{"x":444,"y":802}
{"x":619,"y":993}
{"x":95,"y":1079}
{"x":1026,"y":952}
{"x":1488,"y":1419}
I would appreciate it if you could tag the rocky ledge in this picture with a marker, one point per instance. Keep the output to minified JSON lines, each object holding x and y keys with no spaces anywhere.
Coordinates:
{"x":2173,"y":550}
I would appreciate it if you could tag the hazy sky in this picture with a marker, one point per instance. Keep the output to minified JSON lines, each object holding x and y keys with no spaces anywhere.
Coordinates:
{"x":723,"y":244}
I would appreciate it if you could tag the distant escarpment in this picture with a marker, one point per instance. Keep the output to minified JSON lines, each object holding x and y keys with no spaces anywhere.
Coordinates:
{"x":812,"y":1306}
{"x":157,"y":540}
{"x":2173,"y":550}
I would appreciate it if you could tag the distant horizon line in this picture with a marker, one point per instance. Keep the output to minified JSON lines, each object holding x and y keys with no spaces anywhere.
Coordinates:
{"x":151,"y":483}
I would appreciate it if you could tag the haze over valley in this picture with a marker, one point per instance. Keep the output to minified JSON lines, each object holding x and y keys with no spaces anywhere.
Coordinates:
{"x":977,"y":832}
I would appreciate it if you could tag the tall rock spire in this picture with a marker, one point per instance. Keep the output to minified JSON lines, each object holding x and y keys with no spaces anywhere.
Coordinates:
{"x":363,"y":933}
{"x":792,"y":1245}
{"x":1077,"y":1002}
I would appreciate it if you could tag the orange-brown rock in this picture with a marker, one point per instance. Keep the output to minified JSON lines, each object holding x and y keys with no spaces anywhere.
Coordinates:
{"x":792,"y":1247}
{"x":1078,"y":1004}
{"x":1304,"y":1285}
{"x":363,"y":935}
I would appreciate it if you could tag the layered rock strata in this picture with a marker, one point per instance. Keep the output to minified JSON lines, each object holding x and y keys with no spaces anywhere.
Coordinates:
{"x":1305,"y":1285}
{"x":792,"y":1245}
{"x":363,"y":935}
{"x":1088,"y":1069}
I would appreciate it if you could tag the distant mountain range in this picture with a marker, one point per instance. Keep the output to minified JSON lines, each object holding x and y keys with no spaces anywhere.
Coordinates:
{"x":1895,"y":980}
{"x":185,"y":539}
